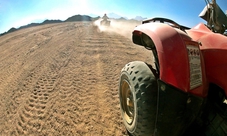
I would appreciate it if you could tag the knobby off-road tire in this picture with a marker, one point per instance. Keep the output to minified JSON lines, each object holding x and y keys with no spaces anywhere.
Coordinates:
{"x":138,"y":98}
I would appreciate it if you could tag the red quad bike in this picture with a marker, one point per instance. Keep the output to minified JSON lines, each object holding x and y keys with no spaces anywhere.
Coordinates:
{"x":184,"y":91}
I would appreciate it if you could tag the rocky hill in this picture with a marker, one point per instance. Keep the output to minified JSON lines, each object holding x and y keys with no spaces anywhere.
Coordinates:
{"x":70,"y":19}
{"x":79,"y":18}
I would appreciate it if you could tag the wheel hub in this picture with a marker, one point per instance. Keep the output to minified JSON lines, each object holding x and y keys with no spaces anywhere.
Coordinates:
{"x":127,"y":102}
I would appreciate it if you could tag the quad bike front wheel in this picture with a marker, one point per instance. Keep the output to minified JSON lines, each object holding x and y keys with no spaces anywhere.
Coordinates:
{"x":138,"y":98}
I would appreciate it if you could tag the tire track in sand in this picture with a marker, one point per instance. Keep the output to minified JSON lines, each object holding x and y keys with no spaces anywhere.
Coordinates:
{"x":33,"y":115}
{"x":102,"y":113}
{"x":75,"y":89}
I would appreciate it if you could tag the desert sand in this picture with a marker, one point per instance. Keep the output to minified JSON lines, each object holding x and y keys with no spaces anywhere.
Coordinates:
{"x":62,"y":79}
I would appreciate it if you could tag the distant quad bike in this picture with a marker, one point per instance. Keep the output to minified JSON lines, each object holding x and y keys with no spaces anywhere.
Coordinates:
{"x":105,"y":21}
{"x":184,"y":91}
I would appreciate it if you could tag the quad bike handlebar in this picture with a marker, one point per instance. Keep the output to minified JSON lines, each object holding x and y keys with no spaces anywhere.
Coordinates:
{"x":215,"y":17}
{"x":165,"y":20}
{"x":212,"y":13}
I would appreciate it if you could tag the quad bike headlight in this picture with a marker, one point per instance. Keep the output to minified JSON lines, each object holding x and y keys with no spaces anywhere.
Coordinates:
{"x":147,"y":42}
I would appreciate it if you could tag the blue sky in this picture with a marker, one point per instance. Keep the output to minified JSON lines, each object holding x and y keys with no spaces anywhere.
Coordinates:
{"x":15,"y":13}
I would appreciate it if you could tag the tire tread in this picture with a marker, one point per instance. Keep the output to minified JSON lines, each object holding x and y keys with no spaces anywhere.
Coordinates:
{"x":145,"y":87}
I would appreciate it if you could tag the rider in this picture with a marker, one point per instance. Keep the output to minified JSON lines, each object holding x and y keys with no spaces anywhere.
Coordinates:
{"x":105,"y":17}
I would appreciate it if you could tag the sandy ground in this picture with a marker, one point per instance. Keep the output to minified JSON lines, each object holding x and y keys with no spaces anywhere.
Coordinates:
{"x":62,"y":79}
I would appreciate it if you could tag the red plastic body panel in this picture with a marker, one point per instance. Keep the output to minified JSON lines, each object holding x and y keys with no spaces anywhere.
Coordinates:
{"x":171,"y":46}
{"x":214,"y":50}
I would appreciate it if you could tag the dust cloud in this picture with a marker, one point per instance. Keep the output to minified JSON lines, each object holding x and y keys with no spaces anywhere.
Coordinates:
{"x":122,"y":27}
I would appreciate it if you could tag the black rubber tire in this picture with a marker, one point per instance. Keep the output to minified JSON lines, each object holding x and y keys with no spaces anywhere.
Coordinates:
{"x":142,"y":90}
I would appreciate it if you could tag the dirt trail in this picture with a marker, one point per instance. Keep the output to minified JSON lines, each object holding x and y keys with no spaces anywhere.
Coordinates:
{"x":62,"y":79}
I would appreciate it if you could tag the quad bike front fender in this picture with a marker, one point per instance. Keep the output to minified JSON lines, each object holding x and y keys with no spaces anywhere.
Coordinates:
{"x":175,"y":50}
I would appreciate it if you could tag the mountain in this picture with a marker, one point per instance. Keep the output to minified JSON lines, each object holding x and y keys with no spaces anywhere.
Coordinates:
{"x":113,"y":15}
{"x":75,"y":18}
{"x":79,"y":18}
{"x":93,"y":15}
{"x":139,"y":18}
{"x":29,"y":25}
{"x":116,"y":16}
{"x":122,"y":18}
{"x":95,"y":18}
{"x":51,"y":21}
{"x":70,"y":19}
{"x":12,"y":29}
